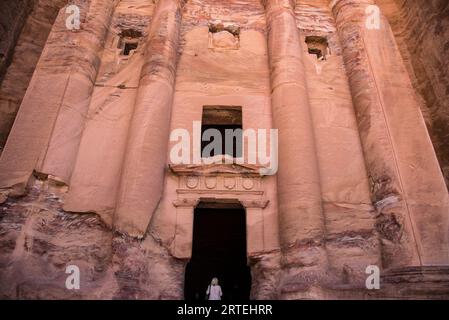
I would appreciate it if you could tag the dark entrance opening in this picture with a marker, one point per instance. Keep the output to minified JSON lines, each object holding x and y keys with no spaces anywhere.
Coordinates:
{"x":218,"y":250}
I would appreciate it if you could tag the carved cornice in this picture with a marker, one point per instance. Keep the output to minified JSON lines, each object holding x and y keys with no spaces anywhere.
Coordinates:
{"x":215,"y":169}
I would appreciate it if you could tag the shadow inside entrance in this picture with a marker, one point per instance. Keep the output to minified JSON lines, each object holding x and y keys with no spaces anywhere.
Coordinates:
{"x":218,"y":250}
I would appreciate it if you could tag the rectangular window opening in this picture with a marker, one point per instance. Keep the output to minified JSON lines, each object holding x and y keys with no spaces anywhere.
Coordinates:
{"x":318,"y":46}
{"x":221,"y":131}
{"x":129,"y":46}
{"x":128,"y":41}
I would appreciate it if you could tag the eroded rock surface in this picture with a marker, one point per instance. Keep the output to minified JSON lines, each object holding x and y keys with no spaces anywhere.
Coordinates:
{"x":86,"y":178}
{"x":422,"y":33}
{"x":36,"y":19}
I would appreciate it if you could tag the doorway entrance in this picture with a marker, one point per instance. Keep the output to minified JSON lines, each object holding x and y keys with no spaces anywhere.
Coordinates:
{"x":218,"y":250}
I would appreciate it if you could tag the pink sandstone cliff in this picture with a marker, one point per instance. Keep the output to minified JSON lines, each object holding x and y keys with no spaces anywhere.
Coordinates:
{"x":85,"y":178}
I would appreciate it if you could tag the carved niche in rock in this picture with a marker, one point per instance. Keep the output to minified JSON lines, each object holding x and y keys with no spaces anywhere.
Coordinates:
{"x":224,"y":36}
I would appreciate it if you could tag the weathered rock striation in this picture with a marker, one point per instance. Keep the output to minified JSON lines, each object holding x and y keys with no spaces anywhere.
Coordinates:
{"x":89,"y":174}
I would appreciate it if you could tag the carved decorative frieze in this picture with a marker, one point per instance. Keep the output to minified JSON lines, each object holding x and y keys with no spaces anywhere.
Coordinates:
{"x":248,"y":183}
{"x":192,"y":182}
{"x":223,"y":180}
{"x":210,"y":182}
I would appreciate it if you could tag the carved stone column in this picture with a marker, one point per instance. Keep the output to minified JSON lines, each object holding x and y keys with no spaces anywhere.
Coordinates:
{"x":301,"y":225}
{"x":143,"y":170}
{"x":48,"y":126}
{"x":60,"y":157}
{"x":298,"y":177}
{"x":406,"y":182}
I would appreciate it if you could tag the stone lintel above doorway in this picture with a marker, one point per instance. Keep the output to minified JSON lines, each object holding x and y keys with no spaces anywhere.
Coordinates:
{"x":219,"y":203}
